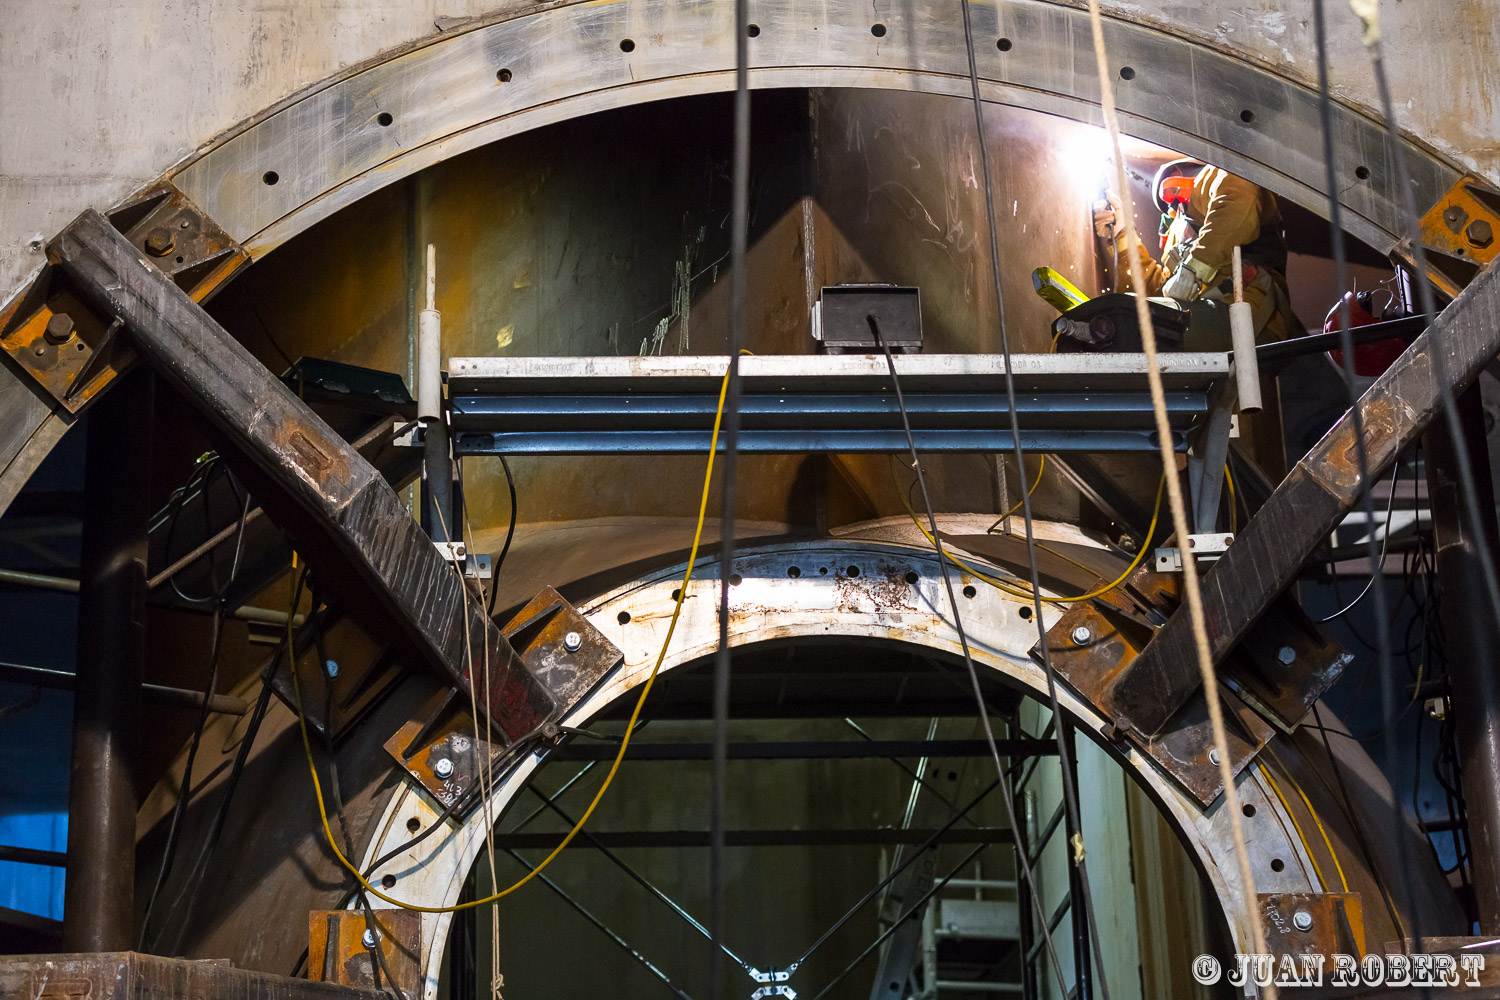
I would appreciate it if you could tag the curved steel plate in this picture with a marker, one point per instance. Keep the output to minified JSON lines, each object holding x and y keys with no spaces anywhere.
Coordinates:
{"x":358,"y":134}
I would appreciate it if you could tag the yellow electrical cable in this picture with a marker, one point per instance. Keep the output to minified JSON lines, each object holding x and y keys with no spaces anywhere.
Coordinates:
{"x":624,"y":742}
{"x":1327,"y":841}
{"x":1233,"y":514}
{"x":1034,"y":483}
{"x":1026,"y":594}
{"x":1322,"y":882}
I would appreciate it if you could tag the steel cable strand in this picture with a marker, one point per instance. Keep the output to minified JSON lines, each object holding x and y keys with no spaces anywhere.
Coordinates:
{"x":1070,"y":792}
{"x":1175,"y":500}
{"x":1006,"y":794}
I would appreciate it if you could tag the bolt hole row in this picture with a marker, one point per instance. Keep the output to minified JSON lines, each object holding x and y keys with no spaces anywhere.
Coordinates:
{"x":878,"y":29}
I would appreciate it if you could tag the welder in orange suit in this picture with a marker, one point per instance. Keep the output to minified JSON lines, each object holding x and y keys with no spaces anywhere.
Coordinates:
{"x":1207,"y":212}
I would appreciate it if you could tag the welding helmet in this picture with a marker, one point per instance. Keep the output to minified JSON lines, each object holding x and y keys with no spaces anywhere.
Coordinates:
{"x":1173,"y":184}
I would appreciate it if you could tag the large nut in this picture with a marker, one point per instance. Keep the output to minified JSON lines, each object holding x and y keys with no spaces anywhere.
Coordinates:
{"x":1480,"y":233}
{"x":59,"y":328}
{"x":159,"y":242}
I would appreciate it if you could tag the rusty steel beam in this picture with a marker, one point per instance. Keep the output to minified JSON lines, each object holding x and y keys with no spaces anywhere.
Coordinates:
{"x":339,"y":511}
{"x":1268,"y":554}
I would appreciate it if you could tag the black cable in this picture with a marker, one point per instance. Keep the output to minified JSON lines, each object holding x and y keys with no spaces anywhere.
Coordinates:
{"x":189,"y":890}
{"x":1389,"y":507}
{"x":338,"y":806}
{"x":739,"y":214}
{"x":1358,"y":827}
{"x":911,"y":910}
{"x":1070,"y":792}
{"x":510,"y":533}
{"x":963,"y":639}
{"x":1346,"y":344}
{"x":1428,"y":306}
{"x":185,"y":791}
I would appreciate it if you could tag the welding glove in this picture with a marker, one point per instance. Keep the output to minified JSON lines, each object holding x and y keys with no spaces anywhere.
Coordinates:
{"x":1182,"y":285}
{"x":1107,"y":216}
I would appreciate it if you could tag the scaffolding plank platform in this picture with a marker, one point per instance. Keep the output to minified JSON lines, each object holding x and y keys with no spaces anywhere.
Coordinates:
{"x":823,"y":403}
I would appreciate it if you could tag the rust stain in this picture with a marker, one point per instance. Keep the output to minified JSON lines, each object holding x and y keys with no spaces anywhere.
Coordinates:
{"x":311,"y":457}
{"x":1337,"y":467}
{"x":885,"y":588}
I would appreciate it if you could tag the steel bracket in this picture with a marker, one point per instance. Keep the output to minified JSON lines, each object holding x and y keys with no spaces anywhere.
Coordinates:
{"x":558,"y":646}
{"x":339,"y":949}
{"x":69,"y":347}
{"x":1461,"y":233}
{"x":1094,"y":641}
{"x":1313,"y":923}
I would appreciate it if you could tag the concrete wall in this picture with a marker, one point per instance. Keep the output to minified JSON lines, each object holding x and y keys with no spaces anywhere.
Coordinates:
{"x":100,"y":96}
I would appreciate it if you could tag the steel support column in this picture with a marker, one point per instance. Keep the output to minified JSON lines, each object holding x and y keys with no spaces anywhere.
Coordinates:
{"x":99,"y":900}
{"x":1273,"y":547}
{"x":1474,"y":676}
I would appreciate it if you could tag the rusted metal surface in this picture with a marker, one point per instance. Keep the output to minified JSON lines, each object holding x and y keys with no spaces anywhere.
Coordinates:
{"x":1284,"y":665}
{"x":1320,"y":490}
{"x":1313,"y":923}
{"x":445,"y":752}
{"x":1464,"y":227}
{"x":419,"y":748}
{"x":1272,"y":680}
{"x":127,"y":975}
{"x":342,"y":514}
{"x":338,"y":952}
{"x":1117,"y":629}
{"x":561,"y":647}
{"x":71,"y":351}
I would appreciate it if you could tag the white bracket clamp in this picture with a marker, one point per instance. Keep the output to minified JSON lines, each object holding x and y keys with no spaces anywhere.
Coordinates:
{"x":1208,"y":548}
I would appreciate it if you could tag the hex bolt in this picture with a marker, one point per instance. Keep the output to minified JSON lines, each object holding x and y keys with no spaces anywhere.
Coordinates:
{"x":1213,"y":756}
{"x":369,"y":939}
{"x":1082,"y":636}
{"x":1480,"y":233}
{"x":1302,"y":920}
{"x":331,"y":668}
{"x":572,"y":642}
{"x":59,"y":328}
{"x":159,"y":242}
{"x":443,"y":768}
{"x":1286,"y":654}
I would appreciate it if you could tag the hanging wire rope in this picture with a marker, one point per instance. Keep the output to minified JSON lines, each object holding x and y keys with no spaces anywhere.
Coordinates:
{"x":1175,"y":500}
{"x":1006,"y":792}
{"x":739,"y":226}
{"x":1070,"y":792}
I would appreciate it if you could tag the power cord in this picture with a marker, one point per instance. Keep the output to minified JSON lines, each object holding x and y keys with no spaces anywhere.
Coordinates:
{"x":963,"y":640}
{"x":614,"y":767}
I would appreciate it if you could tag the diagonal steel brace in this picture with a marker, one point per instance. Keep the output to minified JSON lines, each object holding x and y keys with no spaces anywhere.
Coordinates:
{"x":1273,"y":547}
{"x":341,"y":513}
